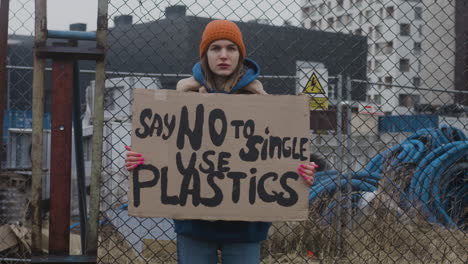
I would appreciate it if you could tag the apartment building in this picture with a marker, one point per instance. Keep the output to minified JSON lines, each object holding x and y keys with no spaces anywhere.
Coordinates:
{"x":411,"y":46}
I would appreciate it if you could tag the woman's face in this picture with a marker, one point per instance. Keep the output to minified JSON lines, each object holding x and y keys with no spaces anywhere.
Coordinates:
{"x":223,"y":57}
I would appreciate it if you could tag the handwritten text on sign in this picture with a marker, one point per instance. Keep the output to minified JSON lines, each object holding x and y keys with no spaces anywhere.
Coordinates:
{"x":219,"y":156}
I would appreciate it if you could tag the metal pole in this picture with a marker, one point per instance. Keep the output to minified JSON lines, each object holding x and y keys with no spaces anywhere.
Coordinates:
{"x":4,"y":7}
{"x":60,"y":156}
{"x":404,"y":87}
{"x":73,"y":35}
{"x":37,"y":125}
{"x":339,"y":163}
{"x":461,"y":50}
{"x":8,"y":85}
{"x":348,"y":153}
{"x":98,"y":124}
{"x":464,"y":25}
{"x":78,"y":139}
{"x":80,"y":170}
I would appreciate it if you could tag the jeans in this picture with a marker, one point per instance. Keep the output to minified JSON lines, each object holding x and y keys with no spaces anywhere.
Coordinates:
{"x":194,"y":251}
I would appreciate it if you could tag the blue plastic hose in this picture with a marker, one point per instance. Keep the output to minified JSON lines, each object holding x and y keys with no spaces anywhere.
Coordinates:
{"x":440,"y":157}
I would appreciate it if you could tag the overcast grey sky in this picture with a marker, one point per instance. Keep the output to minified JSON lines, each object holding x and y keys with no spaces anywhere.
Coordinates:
{"x":61,"y":13}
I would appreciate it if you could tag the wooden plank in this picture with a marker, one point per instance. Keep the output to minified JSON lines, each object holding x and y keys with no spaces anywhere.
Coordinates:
{"x":40,"y":37}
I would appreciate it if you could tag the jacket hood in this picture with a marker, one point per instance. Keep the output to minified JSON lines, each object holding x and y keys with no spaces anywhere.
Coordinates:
{"x":251,"y":72}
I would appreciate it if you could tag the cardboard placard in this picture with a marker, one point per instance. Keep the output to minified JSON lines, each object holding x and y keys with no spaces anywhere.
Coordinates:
{"x":219,"y":157}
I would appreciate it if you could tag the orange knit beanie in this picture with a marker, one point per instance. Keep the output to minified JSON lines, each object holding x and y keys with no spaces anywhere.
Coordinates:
{"x":221,"y":29}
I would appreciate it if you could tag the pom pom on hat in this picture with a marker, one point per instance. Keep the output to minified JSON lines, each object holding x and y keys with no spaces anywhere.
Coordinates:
{"x":222,"y":29}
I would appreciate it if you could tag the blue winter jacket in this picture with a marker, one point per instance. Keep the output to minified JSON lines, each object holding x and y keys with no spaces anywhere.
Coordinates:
{"x":225,"y":231}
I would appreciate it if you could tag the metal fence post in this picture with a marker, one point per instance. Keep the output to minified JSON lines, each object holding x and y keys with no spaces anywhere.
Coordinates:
{"x":4,"y":8}
{"x":348,"y":152}
{"x":461,"y":51}
{"x":60,"y":169}
{"x":339,"y":163}
{"x":464,"y":11}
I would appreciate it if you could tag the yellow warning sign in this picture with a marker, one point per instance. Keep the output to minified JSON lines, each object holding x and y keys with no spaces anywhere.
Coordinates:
{"x":313,"y":86}
{"x":318,"y":103}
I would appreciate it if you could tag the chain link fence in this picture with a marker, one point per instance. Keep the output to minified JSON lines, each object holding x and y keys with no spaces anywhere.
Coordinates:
{"x":387,"y":82}
{"x":15,"y":169}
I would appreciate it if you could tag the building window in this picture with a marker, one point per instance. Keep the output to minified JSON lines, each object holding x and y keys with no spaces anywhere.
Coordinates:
{"x":417,"y":48}
{"x":358,"y":31}
{"x":379,"y":83}
{"x":408,"y":100}
{"x":347,"y":20}
{"x":313,"y":24}
{"x":322,"y":9}
{"x":388,"y":82}
{"x":420,"y":30}
{"x":418,"y":13}
{"x":339,"y":21}
{"x":313,"y":9}
{"x":371,"y":29}
{"x":378,"y":66}
{"x":339,"y":4}
{"x":331,"y":91}
{"x":390,"y":11}
{"x":369,"y":65}
{"x":377,"y":99}
{"x":361,"y":18}
{"x":309,"y":10}
{"x":368,"y":15}
{"x":379,"y":48}
{"x":416,"y":81}
{"x":330,"y":22}
{"x":388,"y":47}
{"x":378,"y":31}
{"x":381,"y":12}
{"x":419,"y":66}
{"x":405,"y":29}
{"x":359,"y":3}
{"x":404,"y":65}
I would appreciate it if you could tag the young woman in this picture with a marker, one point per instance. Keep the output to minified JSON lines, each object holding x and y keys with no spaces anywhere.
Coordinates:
{"x":223,"y":68}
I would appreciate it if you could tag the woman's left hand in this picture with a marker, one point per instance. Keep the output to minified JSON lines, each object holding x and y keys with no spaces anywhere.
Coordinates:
{"x":307,"y":171}
{"x":203,"y":89}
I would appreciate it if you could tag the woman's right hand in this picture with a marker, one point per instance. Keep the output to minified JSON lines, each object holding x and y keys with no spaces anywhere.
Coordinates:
{"x":133,"y":159}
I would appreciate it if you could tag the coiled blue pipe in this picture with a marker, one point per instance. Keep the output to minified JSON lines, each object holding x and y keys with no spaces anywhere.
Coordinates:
{"x":430,"y":175}
{"x":440,"y":157}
